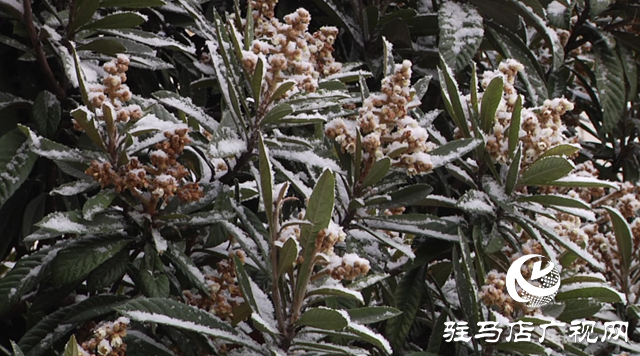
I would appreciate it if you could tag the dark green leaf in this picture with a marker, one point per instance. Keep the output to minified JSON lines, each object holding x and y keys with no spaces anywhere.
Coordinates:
{"x":46,"y":332}
{"x":377,"y":172}
{"x":288,"y":255}
{"x":490,"y":101}
{"x":324,"y":318}
{"x":97,"y":203}
{"x":546,"y":170}
{"x":93,"y":307}
{"x":184,"y":264}
{"x":276,"y":113}
{"x":601,"y":293}
{"x":173,"y":313}
{"x":408,"y":296}
{"x":131,"y":4}
{"x":514,"y":172}
{"x":461,"y":31}
{"x":119,"y":20}
{"x":16,"y":162}
{"x":578,"y":309}
{"x":46,"y":113}
{"x":559,"y":200}
{"x":153,"y":280}
{"x":81,"y":257}
{"x":109,"y":272}
{"x":624,"y":237}
{"x":369,"y":315}
{"x":109,"y":47}
{"x":84,"y":10}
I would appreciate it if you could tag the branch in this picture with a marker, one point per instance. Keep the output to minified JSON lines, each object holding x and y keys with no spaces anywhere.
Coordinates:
{"x":52,"y":83}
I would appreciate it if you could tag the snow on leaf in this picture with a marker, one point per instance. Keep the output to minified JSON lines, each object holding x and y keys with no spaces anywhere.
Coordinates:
{"x":188,"y":107}
{"x":461,"y":32}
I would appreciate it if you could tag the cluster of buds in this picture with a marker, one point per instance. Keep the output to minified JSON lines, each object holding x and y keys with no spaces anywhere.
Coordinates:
{"x":494,"y":294}
{"x":288,"y":50}
{"x":114,"y":90}
{"x":327,"y":238}
{"x":541,"y":128}
{"x":107,"y":339}
{"x":386,"y":128}
{"x":161,"y":179}
{"x":348,"y":267}
{"x":225,"y":294}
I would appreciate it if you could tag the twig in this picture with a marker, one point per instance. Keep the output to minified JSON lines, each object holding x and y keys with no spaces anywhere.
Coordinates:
{"x":53,"y":84}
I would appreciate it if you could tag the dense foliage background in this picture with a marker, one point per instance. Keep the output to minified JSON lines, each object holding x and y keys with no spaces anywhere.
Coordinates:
{"x":184,"y":177}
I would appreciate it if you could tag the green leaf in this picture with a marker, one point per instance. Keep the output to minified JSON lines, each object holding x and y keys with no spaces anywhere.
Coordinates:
{"x":46,"y":113}
{"x":437,"y":335}
{"x":581,"y":182}
{"x":514,"y":127}
{"x":452,"y":151}
{"x":138,"y":343}
{"x":256,"y":81}
{"x":7,"y":100}
{"x":465,"y":284}
{"x":405,"y":249}
{"x":387,"y":58}
{"x":266,"y":184}
{"x":510,"y":45}
{"x":288,"y":255}
{"x":524,"y":347}
{"x":109,"y":272}
{"x":83,"y":12}
{"x":601,"y":293}
{"x":119,"y":20}
{"x":452,"y":98}
{"x":461,"y":31}
{"x":71,"y":222}
{"x":71,"y":349}
{"x":16,"y":162}
{"x":93,"y":307}
{"x":546,"y":170}
{"x":245,"y":283}
{"x":370,"y":315}
{"x":579,"y":309}
{"x":550,"y":36}
{"x":421,"y":86}
{"x":184,"y":264}
{"x":16,"y":349}
{"x":153,"y":280}
{"x":25,"y":275}
{"x":97,"y":203}
{"x":87,"y":121}
{"x":188,"y":107}
{"x":377,"y":172}
{"x":282,"y":89}
{"x":276,"y":114}
{"x":109,"y":47}
{"x":490,"y":101}
{"x":514,"y":172}
{"x":567,"y":150}
{"x":370,"y":336}
{"x":46,"y":332}
{"x":558,"y":200}
{"x":182,"y":316}
{"x":338,"y":291}
{"x":132,"y":4}
{"x":624,"y":237}
{"x":324,"y":318}
{"x":408,"y":295}
{"x":609,"y":78}
{"x":83,"y":256}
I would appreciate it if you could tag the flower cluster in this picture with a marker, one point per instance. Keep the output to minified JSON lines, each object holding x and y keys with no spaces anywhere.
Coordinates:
{"x":386,"y":127}
{"x":348,"y":267}
{"x":114,"y":90}
{"x":225,"y":294}
{"x":161,"y":179}
{"x":107,"y":339}
{"x":494,"y":294}
{"x":541,"y":128}
{"x":288,"y":50}
{"x":327,"y":238}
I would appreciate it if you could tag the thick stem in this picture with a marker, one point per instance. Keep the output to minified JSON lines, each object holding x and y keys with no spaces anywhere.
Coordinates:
{"x":41,"y":58}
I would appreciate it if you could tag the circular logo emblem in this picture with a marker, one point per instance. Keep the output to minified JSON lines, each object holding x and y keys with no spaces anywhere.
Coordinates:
{"x":546,"y":282}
